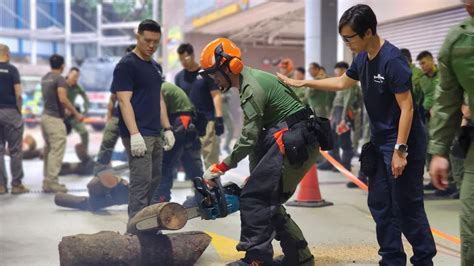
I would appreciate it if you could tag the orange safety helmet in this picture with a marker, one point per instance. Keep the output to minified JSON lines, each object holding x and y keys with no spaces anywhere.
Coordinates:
{"x":219,"y":53}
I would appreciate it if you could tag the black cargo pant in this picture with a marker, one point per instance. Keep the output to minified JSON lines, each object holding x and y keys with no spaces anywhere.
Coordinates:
{"x":187,"y":150}
{"x":263,"y":218}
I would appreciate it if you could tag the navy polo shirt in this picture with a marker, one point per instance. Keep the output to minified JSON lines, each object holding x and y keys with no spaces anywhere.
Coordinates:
{"x":381,"y":78}
{"x":9,"y":77}
{"x":144,"y":79}
{"x":198,"y":90}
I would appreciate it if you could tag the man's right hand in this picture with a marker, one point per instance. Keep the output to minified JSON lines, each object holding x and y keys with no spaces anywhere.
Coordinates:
{"x":137,"y":145}
{"x":439,"y":172}
{"x":79,"y":117}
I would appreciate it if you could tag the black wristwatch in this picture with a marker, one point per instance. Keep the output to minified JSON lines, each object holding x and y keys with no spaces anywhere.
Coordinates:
{"x":403,"y":148}
{"x":167,"y":128}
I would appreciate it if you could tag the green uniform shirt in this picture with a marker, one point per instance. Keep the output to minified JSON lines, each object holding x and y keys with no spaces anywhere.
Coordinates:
{"x":346,"y":99}
{"x":265,"y":102}
{"x":320,"y":98}
{"x":456,"y":68}
{"x":428,"y":85}
{"x":176,"y":99}
{"x":415,"y":81}
{"x":72,"y":93}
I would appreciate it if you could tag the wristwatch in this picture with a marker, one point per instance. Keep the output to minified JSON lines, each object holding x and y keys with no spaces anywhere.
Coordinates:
{"x":403,"y":148}
{"x":167,"y":128}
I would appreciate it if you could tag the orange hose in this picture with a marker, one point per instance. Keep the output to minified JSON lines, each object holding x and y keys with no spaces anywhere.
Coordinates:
{"x":344,"y":171}
{"x":348,"y":174}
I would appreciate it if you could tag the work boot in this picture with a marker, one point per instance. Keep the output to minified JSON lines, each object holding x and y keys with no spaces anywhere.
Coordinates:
{"x":54,"y":188}
{"x":353,"y":185}
{"x":3,"y":189}
{"x":19,"y":189}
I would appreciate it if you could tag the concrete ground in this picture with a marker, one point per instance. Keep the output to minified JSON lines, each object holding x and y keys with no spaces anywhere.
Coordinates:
{"x":31,"y":225}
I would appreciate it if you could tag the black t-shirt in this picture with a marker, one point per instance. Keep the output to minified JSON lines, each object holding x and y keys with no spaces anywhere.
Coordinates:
{"x":9,"y":77}
{"x":198,"y":90}
{"x":144,"y":79}
{"x":381,"y":78}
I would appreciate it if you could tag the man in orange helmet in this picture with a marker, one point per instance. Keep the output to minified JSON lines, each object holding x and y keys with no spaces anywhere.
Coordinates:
{"x":273,"y":116}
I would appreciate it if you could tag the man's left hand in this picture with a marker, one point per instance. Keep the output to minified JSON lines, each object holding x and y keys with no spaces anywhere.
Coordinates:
{"x":399,"y":161}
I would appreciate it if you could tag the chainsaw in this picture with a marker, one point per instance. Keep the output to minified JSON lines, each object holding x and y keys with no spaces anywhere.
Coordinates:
{"x":211,"y":203}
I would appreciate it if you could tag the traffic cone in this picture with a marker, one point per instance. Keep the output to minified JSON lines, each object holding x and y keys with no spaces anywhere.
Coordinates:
{"x":309,"y":194}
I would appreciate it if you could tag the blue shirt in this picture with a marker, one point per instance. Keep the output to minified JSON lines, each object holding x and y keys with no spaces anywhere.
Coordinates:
{"x":381,"y":78}
{"x":198,"y":90}
{"x":9,"y":77}
{"x":144,"y":79}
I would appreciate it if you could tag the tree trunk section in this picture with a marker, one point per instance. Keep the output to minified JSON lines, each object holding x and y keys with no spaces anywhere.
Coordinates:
{"x":165,"y":216}
{"x":71,"y":201}
{"x":111,"y":248}
{"x":104,"y":190}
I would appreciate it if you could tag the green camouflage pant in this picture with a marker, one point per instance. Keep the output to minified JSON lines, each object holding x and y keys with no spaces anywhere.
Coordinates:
{"x":80,"y":128}
{"x":109,"y":139}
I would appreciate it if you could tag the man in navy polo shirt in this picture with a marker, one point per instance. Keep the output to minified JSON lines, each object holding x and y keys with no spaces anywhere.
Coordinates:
{"x":137,"y":83}
{"x":396,"y":189}
{"x":207,"y":100}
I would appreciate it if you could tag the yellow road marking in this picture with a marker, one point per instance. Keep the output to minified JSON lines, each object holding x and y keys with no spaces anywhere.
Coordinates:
{"x":225,"y":247}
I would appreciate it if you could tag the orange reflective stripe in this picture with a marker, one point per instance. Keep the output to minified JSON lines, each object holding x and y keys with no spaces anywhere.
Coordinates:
{"x":185,"y":119}
{"x":279,"y":139}
{"x":350,"y":114}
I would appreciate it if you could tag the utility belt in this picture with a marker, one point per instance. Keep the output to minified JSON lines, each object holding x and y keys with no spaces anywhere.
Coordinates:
{"x":299,"y":131}
{"x":462,"y":142}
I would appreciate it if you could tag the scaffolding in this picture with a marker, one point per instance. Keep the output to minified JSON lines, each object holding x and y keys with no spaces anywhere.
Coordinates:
{"x":95,"y":33}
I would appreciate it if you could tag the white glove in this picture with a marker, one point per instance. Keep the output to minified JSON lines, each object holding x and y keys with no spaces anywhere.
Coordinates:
{"x":137,"y":145}
{"x":169,"y":140}
{"x":212,"y":172}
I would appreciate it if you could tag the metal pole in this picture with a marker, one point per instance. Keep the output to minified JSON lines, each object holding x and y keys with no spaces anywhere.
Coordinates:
{"x":155,"y":10}
{"x":99,"y":30}
{"x":67,"y":32}
{"x":34,"y":44}
{"x":312,"y":41}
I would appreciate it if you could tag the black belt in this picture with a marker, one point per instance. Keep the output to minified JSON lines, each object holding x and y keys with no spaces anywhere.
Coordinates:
{"x":299,"y":116}
{"x":183,"y":113}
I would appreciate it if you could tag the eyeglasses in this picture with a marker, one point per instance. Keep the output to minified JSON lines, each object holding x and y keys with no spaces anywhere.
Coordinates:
{"x":348,"y":38}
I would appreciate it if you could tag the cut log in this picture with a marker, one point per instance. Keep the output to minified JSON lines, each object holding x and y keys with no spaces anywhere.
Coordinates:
{"x":71,"y":201}
{"x":102,"y":184}
{"x":160,"y":216}
{"x":111,"y":248}
{"x":69,"y":168}
{"x":100,"y":196}
{"x":31,"y":154}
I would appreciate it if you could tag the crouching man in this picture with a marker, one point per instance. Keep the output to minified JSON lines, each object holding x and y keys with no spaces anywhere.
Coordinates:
{"x":279,"y":136}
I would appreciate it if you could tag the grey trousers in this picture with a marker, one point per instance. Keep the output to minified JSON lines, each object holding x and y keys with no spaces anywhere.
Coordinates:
{"x":109,"y":139}
{"x":11,"y":133}
{"x":145,"y":173}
